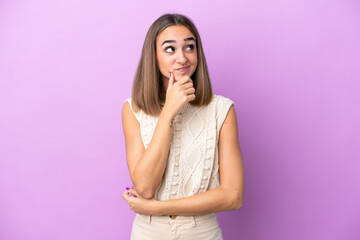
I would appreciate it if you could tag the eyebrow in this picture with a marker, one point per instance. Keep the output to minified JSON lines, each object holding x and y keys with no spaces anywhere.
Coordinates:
{"x":172,"y":41}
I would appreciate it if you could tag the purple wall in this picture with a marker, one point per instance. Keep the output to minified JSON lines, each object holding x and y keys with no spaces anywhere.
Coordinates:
{"x":292,"y":67}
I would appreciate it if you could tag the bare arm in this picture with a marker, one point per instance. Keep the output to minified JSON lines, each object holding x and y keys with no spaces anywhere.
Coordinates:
{"x":147,"y":167}
{"x":228,"y":196}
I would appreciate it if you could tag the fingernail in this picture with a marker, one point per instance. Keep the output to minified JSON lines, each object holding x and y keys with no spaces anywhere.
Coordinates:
{"x":127,"y":188}
{"x":170,"y":74}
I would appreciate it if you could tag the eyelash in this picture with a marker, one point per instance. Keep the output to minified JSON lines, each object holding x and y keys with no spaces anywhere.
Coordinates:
{"x":192,"y":47}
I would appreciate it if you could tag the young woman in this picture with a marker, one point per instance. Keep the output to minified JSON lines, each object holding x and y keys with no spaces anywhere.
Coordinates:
{"x":182,"y":145}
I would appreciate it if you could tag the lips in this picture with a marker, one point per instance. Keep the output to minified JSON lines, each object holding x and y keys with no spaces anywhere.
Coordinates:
{"x":183,"y":69}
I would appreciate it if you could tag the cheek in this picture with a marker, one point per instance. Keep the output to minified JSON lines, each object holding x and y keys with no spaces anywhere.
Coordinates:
{"x":193,"y":59}
{"x":165,"y":62}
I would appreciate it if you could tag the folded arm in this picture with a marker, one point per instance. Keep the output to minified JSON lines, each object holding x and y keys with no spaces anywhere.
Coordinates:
{"x":228,"y":196}
{"x":146,"y":167}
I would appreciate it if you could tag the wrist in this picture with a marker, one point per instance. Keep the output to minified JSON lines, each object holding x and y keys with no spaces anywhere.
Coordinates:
{"x":166,"y":116}
{"x":157,"y":210}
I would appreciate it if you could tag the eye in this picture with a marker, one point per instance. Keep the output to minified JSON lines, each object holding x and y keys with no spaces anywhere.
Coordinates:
{"x":169,"y":49}
{"x":190,"y":47}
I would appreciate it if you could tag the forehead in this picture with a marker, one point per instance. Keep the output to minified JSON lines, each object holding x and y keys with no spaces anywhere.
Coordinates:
{"x":177,"y":32}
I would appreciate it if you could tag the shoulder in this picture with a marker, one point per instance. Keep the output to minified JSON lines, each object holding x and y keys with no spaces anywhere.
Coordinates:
{"x":221,"y":100}
{"x":128,"y":111}
{"x":222,"y":106}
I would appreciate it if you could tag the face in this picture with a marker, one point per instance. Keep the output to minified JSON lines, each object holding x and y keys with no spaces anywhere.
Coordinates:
{"x":176,"y":52}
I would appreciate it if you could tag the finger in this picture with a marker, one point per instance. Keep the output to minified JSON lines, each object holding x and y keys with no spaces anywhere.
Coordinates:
{"x":171,"y":80}
{"x":190,"y":91}
{"x":190,"y":97}
{"x":133,"y":192}
{"x":187,"y":85}
{"x":126,"y":196}
{"x":184,"y":80}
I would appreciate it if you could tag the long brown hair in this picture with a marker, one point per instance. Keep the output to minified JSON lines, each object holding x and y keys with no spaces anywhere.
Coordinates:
{"x":147,"y":92}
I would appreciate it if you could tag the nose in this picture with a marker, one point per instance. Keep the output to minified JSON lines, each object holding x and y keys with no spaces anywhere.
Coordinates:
{"x":181,"y":57}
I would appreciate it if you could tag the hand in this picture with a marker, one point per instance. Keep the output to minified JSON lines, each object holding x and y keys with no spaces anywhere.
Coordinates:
{"x":138,"y":204}
{"x":178,"y":94}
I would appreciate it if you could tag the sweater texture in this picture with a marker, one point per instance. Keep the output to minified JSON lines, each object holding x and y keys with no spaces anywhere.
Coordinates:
{"x":193,"y":162}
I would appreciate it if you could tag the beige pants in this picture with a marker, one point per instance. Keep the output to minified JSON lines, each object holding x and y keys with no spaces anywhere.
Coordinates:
{"x":204,"y":227}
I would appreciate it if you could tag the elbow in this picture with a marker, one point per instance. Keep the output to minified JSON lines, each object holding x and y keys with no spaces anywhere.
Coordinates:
{"x":144,"y":192}
{"x":147,"y":194}
{"x":143,"y":188}
{"x":233,"y":198}
{"x":236,"y":202}
{"x":237,"y":205}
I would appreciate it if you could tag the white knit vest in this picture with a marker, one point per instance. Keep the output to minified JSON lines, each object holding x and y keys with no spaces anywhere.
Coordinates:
{"x":193,"y":163}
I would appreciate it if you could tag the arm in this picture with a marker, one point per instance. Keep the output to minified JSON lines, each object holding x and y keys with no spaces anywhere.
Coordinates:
{"x":147,"y":167}
{"x":228,"y":196}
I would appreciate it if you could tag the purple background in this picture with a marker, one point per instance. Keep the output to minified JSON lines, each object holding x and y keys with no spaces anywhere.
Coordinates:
{"x":292,"y":67}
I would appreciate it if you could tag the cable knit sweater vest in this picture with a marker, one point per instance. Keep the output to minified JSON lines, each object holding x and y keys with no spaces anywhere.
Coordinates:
{"x":193,"y":163}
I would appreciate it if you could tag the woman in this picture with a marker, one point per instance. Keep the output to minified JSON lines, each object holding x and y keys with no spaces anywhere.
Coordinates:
{"x":182,"y":146}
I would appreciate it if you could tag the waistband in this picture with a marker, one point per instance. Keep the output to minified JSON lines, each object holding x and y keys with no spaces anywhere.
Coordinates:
{"x":173,"y":218}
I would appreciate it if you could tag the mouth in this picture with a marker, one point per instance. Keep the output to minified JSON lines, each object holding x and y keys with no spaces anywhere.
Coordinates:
{"x":183,"y":69}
